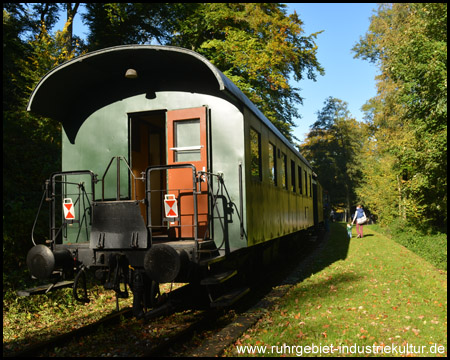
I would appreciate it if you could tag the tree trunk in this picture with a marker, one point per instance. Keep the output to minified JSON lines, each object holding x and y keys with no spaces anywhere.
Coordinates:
{"x":401,"y":207}
{"x":71,"y":12}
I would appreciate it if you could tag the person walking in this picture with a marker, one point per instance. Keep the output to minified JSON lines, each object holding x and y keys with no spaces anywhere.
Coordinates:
{"x":349,"y":230}
{"x":360,"y":218}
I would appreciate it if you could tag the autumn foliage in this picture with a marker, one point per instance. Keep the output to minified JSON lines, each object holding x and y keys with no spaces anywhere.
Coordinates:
{"x":405,"y":172}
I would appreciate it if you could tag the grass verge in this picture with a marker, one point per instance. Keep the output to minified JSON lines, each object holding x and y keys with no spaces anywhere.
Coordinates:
{"x":380,"y":299}
{"x":29,"y":320}
{"x":430,"y":246}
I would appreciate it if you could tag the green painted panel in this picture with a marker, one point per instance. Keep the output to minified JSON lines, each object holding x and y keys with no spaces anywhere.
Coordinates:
{"x":105,"y":134}
{"x":227,"y":152}
{"x":102,"y":136}
{"x":274,"y":210}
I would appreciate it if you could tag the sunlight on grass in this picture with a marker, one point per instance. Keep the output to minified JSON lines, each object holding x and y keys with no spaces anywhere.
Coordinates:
{"x":381,"y":294}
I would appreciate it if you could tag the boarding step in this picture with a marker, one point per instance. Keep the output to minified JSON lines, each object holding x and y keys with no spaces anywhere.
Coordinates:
{"x":215,"y":279}
{"x":213,"y":260}
{"x":43,"y":289}
{"x":230,"y":298}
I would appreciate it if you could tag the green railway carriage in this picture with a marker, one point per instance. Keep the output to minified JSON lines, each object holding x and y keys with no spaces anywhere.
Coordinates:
{"x":166,"y":167}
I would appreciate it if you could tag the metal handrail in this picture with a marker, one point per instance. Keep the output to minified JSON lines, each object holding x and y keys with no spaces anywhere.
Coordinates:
{"x":220,"y":188}
{"x":118,"y":158}
{"x":194,"y":193}
{"x":103,"y":177}
{"x":50,"y":191}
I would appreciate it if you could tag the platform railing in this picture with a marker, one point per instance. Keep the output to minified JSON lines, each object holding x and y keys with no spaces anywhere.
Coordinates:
{"x":118,"y":160}
{"x":149,"y":190}
{"x":50,"y":196}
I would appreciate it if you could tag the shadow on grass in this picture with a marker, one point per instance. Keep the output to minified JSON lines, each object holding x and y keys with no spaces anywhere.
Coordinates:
{"x":334,"y":247}
{"x":326,"y":286}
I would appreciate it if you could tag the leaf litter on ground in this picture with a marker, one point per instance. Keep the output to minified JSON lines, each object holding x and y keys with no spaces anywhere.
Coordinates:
{"x":378,"y":294}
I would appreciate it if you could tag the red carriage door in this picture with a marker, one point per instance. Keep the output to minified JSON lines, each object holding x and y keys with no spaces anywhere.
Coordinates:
{"x":187,"y":144}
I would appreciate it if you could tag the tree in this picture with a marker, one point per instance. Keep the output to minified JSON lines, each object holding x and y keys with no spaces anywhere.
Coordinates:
{"x":259,"y":47}
{"x":113,"y":24}
{"x":409,"y":114}
{"x":333,"y":147}
{"x":31,"y":144}
{"x":70,"y":15}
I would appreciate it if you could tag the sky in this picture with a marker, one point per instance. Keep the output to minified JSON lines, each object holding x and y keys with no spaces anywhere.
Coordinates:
{"x":351,"y":80}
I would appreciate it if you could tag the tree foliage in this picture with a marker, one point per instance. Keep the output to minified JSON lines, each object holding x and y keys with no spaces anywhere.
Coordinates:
{"x":113,"y":24}
{"x":31,"y":144}
{"x":409,"y":114}
{"x":333,"y":147}
{"x":259,"y":47}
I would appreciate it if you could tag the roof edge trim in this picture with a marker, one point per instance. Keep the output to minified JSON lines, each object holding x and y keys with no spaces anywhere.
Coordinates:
{"x":216,"y":72}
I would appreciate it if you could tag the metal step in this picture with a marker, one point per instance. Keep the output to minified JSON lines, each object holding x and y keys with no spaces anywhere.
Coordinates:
{"x":229,"y":298}
{"x":43,"y":289}
{"x":213,"y":260}
{"x":215,"y":279}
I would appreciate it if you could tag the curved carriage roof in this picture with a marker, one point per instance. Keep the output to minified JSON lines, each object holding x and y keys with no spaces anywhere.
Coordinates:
{"x":72,"y":91}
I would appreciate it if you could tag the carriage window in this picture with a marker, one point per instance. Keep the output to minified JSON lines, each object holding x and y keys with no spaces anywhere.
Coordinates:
{"x":255,"y":153}
{"x":300,"y":182}
{"x":284,"y":170}
{"x":306,"y":183}
{"x":272,"y":165}
{"x":292,"y":175}
{"x":187,"y":140}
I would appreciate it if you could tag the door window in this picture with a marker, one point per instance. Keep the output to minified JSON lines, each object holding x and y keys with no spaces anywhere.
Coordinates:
{"x":187,"y":140}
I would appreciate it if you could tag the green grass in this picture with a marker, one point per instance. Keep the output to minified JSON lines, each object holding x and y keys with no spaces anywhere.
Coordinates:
{"x":28,"y":320}
{"x":377,"y":294}
{"x":430,"y":246}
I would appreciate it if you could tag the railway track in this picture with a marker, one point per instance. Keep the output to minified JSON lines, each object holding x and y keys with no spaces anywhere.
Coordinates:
{"x":215,"y":344}
{"x":216,"y":326}
{"x":112,"y":319}
{"x":249,"y":310}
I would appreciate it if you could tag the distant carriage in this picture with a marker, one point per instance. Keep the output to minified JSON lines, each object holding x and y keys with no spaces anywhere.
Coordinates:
{"x":167,"y":167}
